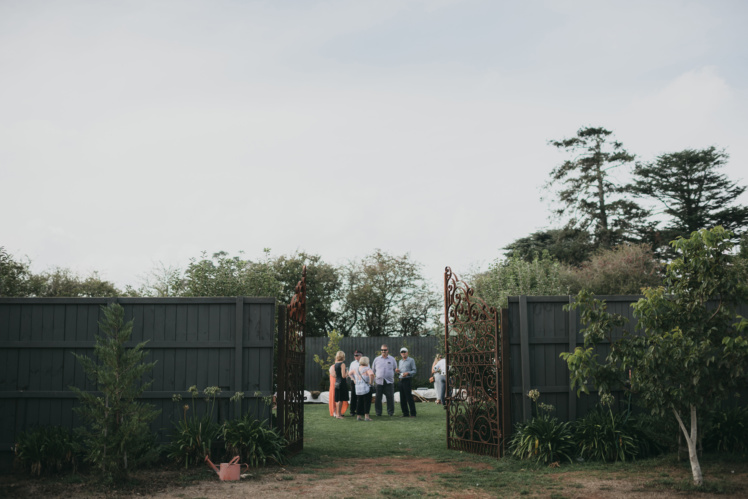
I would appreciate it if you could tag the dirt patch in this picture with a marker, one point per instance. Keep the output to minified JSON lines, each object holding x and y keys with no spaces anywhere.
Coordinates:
{"x":355,"y":478}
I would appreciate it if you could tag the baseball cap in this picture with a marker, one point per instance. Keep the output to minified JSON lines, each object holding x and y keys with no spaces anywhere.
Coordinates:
{"x":403,"y":349}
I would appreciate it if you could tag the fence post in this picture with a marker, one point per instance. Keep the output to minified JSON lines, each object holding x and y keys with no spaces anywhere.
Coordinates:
{"x":572,"y":346}
{"x":280,"y":369}
{"x":525,"y":358}
{"x":239,"y":354}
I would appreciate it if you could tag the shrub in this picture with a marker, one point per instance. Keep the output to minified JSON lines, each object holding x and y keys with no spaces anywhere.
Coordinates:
{"x":194,"y":436}
{"x":116,"y":435}
{"x":623,"y":270}
{"x":604,"y":436}
{"x":515,"y":276}
{"x":728,"y":431}
{"x":254,"y":441}
{"x":46,"y":448}
{"x":544,"y":438}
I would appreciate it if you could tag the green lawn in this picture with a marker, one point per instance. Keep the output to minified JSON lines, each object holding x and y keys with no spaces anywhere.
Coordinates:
{"x":328,"y":440}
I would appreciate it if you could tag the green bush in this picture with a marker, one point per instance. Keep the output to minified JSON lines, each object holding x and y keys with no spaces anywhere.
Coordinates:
{"x":728,"y":431}
{"x":604,"y":436}
{"x":195,"y":436}
{"x":543,"y":439}
{"x":254,"y":441}
{"x":47,"y":448}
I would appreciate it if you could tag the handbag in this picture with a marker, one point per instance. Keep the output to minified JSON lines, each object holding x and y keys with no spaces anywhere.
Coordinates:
{"x":362,"y":385}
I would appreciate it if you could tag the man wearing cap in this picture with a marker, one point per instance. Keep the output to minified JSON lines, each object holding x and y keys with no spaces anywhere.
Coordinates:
{"x":352,"y":381}
{"x":384,"y":368}
{"x":406,"y":369}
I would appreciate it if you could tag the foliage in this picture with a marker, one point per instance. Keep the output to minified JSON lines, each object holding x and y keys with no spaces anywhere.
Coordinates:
{"x":254,"y":441}
{"x":222,"y":275}
{"x":623,"y":270}
{"x":544,"y":438}
{"x":62,"y":282}
{"x":117,"y":424}
{"x":515,"y":276}
{"x":691,"y":192}
{"x":385,"y":295}
{"x":194,"y":436}
{"x":161,"y":282}
{"x":322,"y":282}
{"x":728,"y":431}
{"x":604,"y":436}
{"x":333,"y":345}
{"x":692,"y":351}
{"x":589,"y":195}
{"x":568,"y":245}
{"x":14,"y":276}
{"x":46,"y":448}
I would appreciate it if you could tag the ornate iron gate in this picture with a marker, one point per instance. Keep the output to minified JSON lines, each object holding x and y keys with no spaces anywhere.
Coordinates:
{"x":475,"y":401}
{"x":291,"y":350}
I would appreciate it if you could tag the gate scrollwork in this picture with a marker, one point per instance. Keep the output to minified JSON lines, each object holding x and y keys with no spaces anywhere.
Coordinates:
{"x":474,"y":399}
{"x":291,"y":350}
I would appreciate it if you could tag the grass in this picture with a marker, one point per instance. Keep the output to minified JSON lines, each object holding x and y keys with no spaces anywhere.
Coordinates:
{"x":326,"y":444}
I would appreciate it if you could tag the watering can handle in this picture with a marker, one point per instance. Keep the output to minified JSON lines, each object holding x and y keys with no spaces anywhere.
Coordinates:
{"x":235,"y":460}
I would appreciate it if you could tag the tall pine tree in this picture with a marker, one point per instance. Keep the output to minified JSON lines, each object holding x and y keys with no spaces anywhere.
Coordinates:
{"x":692,"y":193}
{"x":590,"y":197}
{"x":117,"y":431}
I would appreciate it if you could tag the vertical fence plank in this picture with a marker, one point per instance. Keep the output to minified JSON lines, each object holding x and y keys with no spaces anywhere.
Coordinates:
{"x":238,"y":351}
{"x":524,"y":357}
{"x":572,"y":346}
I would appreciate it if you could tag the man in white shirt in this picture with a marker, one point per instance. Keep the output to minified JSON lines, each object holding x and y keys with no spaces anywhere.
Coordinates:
{"x":384,"y":371}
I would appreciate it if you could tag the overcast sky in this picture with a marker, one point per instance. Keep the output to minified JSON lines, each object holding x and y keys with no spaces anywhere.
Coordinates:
{"x":134,"y":133}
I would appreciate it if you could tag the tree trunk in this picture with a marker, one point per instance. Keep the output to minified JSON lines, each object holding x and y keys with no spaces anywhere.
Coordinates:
{"x":698,"y":478}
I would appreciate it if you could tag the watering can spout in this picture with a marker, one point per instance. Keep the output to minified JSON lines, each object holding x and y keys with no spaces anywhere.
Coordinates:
{"x":207,"y":458}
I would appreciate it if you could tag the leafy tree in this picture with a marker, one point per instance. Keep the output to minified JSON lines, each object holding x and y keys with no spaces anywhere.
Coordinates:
{"x":385,"y":295}
{"x":514,"y":276}
{"x":623,"y":270}
{"x":63,"y":282}
{"x":332,"y":347}
{"x":692,"y":351}
{"x":162,"y":281}
{"x":567,"y":245}
{"x":590,"y":196}
{"x":322,"y":281}
{"x":15,"y":276}
{"x":691,"y":192}
{"x":117,"y":434}
{"x":223,"y":275}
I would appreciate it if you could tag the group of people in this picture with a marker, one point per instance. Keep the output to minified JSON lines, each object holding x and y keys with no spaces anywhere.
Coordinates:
{"x":363,"y":379}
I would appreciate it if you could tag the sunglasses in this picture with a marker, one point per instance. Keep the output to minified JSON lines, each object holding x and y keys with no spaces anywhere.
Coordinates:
{"x":357,"y":355}
{"x":384,"y":349}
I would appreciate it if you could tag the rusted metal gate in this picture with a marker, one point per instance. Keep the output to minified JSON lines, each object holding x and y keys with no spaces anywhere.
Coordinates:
{"x":477,"y":392}
{"x":291,"y":350}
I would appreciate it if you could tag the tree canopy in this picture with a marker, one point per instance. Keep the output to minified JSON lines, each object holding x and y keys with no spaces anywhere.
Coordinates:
{"x":692,"y":349}
{"x":589,"y":196}
{"x":691,"y":192}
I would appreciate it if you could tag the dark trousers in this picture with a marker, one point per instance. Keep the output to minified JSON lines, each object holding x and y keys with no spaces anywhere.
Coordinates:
{"x":407,"y":404}
{"x":387,"y":389}
{"x":363,"y":403}
{"x":353,"y":403}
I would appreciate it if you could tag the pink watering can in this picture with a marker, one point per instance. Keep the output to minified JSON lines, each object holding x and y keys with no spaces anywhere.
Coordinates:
{"x":228,"y":471}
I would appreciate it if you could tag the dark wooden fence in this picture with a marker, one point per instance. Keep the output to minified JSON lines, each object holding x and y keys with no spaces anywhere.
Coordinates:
{"x":423,"y":349}
{"x":539,"y":330}
{"x":225,"y":342}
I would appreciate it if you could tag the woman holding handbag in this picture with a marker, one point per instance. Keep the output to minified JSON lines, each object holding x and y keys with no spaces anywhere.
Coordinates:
{"x":363,"y":378}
